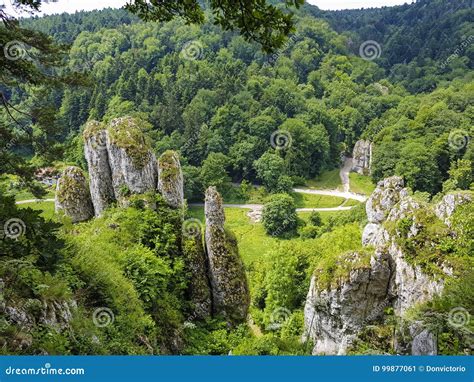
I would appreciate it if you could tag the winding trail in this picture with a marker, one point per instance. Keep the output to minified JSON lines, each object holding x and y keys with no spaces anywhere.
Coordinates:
{"x":257,"y":208}
{"x":34,"y":201}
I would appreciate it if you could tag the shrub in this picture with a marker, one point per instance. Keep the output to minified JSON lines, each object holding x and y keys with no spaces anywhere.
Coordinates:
{"x":279,"y":216}
{"x":315,"y":218}
{"x":310,"y":232}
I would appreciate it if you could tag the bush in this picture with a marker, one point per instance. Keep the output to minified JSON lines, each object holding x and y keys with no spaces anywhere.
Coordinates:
{"x":285,"y":184}
{"x":310,"y":232}
{"x":315,"y":218}
{"x":279,"y":216}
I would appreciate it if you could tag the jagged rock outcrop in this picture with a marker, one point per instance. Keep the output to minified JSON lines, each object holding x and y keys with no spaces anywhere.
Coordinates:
{"x":73,"y":196}
{"x":362,"y":157}
{"x":100,"y":175}
{"x":26,"y":314}
{"x":374,"y":234}
{"x":336,"y":313}
{"x":387,"y":194}
{"x":230,"y":291}
{"x":199,"y":291}
{"x":170,"y":179}
{"x":446,"y":207}
{"x":424,"y":342}
{"x":133,"y":165}
{"x":334,"y":316}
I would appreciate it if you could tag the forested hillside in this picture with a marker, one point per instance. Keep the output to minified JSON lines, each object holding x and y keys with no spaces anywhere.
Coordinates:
{"x":205,"y":203}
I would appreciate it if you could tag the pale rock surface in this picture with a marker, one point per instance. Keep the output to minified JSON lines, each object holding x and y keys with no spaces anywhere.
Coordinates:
{"x":133,"y":165}
{"x":334,"y":316}
{"x":445,"y":209}
{"x":362,"y":157}
{"x":100,"y":175}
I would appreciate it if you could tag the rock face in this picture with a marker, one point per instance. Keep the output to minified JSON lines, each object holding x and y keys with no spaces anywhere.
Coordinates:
{"x":362,"y":157}
{"x":387,"y":194}
{"x":199,"y":291}
{"x":335,"y":314}
{"x":170,"y":179}
{"x":131,"y":161}
{"x":333,"y":317}
{"x":100,"y":175}
{"x":424,"y":342}
{"x":73,"y":195}
{"x":230,"y":291}
{"x":447,"y":206}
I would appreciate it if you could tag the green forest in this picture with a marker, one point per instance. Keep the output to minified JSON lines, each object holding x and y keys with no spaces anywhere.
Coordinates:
{"x":337,"y":149}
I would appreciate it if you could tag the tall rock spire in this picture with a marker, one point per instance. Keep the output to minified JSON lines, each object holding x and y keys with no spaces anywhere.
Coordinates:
{"x":170,"y":179}
{"x":230,"y":291}
{"x":100,"y":175}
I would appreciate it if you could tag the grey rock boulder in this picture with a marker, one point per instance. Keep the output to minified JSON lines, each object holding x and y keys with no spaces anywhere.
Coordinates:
{"x":334,"y":316}
{"x":374,"y":234}
{"x":424,"y":342}
{"x":73,"y":196}
{"x":132,"y":163}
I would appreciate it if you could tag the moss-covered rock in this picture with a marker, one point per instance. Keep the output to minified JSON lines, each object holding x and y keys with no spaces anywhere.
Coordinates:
{"x":132,"y":163}
{"x":170,"y":179}
{"x":199,"y":291}
{"x":230,"y":291}
{"x":73,"y":195}
{"x":126,"y":134}
{"x":336,"y":312}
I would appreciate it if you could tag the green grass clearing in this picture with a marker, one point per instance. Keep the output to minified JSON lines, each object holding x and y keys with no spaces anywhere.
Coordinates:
{"x":316,"y":201}
{"x":328,"y":180}
{"x":361,"y":184}
{"x":252,"y":240}
{"x":46,"y":207}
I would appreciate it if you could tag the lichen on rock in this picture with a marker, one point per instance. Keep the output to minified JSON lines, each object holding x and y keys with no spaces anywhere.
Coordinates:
{"x":132,"y":163}
{"x":230,"y":291}
{"x":73,"y":195}
{"x":100,"y":174}
{"x":405,"y":235}
{"x":334,"y":315}
{"x":170,"y":179}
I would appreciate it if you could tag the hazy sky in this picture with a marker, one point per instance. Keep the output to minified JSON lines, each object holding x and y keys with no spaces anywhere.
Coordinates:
{"x":73,"y":5}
